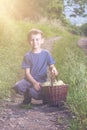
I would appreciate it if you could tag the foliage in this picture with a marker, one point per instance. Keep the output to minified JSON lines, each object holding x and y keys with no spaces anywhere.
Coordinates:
{"x":28,"y":106}
{"x":55,"y":8}
{"x":34,"y":10}
{"x":26,"y":8}
{"x":84,"y":29}
{"x":74,"y":29}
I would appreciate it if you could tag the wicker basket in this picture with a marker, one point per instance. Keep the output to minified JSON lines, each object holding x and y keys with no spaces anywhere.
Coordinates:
{"x":56,"y":95}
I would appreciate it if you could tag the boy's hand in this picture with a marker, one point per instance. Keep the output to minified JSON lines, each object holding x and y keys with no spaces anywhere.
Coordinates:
{"x":37,"y":85}
{"x":54,"y":71}
{"x":31,"y":79}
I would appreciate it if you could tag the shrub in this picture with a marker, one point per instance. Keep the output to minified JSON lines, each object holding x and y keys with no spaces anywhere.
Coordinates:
{"x":84,"y":29}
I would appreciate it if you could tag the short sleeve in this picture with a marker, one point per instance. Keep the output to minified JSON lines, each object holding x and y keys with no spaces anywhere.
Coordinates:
{"x":50,"y":59}
{"x":26,"y":62}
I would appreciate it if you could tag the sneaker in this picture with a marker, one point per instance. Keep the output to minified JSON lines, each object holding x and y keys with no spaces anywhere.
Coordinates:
{"x":27,"y":97}
{"x":25,"y":105}
{"x":27,"y":101}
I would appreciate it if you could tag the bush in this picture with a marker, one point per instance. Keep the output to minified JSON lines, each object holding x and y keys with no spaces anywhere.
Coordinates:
{"x":74,"y":30}
{"x":84,"y":29}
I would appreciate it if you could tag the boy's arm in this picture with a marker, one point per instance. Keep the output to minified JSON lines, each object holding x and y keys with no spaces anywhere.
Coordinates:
{"x":53,"y":70}
{"x":31,"y":79}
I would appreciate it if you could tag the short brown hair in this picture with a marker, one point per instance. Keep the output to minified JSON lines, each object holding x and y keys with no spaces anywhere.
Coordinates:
{"x":34,"y":31}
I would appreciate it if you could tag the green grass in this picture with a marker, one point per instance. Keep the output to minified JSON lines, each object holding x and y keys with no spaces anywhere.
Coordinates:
{"x":27,"y":106}
{"x":72,"y":66}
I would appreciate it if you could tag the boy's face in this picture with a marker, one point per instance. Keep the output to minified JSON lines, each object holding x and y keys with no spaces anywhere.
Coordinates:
{"x":36,"y":41}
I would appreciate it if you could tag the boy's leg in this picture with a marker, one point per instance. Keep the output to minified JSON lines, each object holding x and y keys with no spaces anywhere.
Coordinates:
{"x":13,"y":95}
{"x":22,"y":88}
{"x":27,"y":97}
{"x":36,"y":94}
{"x":25,"y":88}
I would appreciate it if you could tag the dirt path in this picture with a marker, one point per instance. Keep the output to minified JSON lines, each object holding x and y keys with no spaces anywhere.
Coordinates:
{"x":49,"y":42}
{"x":40,"y":117}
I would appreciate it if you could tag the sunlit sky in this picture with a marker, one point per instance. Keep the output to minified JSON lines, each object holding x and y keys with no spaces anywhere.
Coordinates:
{"x":6,"y":12}
{"x":6,"y":8}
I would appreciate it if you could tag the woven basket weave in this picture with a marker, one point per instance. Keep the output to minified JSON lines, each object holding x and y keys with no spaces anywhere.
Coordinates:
{"x":56,"y":95}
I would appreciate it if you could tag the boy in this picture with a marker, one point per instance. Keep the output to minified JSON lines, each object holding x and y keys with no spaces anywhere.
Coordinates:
{"x":35,"y":64}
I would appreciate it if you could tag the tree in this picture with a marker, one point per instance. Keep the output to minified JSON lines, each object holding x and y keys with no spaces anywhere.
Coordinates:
{"x":55,"y":9}
{"x":35,"y":8}
{"x":78,"y":6}
{"x":26,"y":8}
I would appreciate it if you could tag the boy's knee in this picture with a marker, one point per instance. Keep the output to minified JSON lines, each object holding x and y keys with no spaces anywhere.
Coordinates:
{"x":35,"y":94}
{"x":17,"y":89}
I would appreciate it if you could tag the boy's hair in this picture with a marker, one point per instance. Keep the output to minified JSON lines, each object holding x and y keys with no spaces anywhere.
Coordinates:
{"x":34,"y":31}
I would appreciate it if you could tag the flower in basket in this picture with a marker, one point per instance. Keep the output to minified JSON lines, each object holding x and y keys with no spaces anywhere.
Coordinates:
{"x":55,"y":83}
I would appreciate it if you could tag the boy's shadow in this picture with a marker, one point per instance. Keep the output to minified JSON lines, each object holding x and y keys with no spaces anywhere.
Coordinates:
{"x":36,"y":105}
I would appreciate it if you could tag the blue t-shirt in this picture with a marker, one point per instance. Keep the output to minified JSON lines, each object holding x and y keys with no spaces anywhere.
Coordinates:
{"x":38,"y":62}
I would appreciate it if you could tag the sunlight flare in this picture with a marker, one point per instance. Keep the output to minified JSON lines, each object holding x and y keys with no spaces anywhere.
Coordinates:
{"x":6,"y":8}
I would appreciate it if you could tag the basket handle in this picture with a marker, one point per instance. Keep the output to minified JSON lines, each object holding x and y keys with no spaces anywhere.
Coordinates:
{"x":52,"y":79}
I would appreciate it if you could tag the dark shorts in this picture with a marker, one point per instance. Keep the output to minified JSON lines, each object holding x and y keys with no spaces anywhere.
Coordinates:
{"x":23,"y":85}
